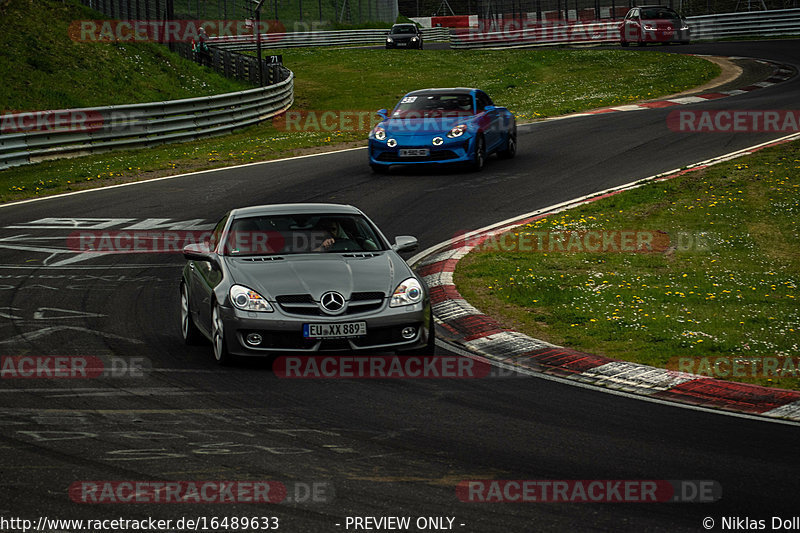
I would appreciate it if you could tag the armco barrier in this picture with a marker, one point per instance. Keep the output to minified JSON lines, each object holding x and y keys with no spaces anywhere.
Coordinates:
{"x":447,"y":21}
{"x":232,"y":64}
{"x":319,"y":38}
{"x":37,"y":136}
{"x":536,"y":33}
{"x":706,"y":27}
{"x":751,"y":24}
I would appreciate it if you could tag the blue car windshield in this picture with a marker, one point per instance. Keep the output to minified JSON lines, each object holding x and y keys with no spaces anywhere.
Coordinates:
{"x":434,"y":105}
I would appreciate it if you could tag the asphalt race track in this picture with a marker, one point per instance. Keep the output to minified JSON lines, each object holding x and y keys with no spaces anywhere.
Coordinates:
{"x":377,"y":447}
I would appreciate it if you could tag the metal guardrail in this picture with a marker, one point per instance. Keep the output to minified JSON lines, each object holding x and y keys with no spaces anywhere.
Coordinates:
{"x":751,"y":24}
{"x":233,"y":65}
{"x":140,"y":125}
{"x":318,"y":38}
{"x":538,"y":34}
{"x":745,"y":24}
{"x":100,"y":129}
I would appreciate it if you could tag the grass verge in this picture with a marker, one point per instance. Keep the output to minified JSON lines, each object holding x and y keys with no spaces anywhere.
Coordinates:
{"x":43,"y":68}
{"x":532,"y":83}
{"x":720,"y":300}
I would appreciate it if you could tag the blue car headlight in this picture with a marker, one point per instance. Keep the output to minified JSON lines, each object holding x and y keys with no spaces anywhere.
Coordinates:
{"x":457,"y":131}
{"x":379,"y":133}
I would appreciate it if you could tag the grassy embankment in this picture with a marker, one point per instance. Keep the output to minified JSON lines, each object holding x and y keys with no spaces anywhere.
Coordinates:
{"x":44,"y":69}
{"x":726,"y":287}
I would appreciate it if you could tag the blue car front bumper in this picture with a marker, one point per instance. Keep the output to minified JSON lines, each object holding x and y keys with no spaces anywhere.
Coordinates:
{"x":458,"y":150}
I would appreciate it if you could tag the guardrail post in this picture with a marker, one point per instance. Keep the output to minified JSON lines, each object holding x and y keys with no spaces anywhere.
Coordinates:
{"x":170,"y":15}
{"x":226,"y":59}
{"x":258,"y":7}
{"x":240,"y":68}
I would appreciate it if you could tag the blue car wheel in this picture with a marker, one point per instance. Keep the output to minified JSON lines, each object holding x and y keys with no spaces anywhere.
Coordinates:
{"x":511,"y":146}
{"x":479,"y":155}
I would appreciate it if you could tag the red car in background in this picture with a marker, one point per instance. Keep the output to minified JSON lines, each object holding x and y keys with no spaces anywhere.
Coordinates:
{"x":653,"y":24}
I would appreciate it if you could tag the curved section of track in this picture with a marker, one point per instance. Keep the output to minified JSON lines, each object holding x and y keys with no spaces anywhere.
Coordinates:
{"x":385,"y":447}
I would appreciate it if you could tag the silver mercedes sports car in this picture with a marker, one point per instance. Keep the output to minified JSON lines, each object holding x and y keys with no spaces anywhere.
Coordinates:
{"x":303,"y":278}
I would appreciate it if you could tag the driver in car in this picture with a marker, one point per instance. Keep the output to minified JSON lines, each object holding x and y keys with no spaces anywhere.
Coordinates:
{"x":332,"y":230}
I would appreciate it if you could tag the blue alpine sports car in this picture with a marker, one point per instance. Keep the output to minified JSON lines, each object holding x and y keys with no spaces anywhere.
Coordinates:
{"x":442,"y":126}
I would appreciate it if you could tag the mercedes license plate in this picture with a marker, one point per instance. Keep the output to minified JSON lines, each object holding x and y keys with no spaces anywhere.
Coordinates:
{"x":334,"y":331}
{"x":414,"y":152}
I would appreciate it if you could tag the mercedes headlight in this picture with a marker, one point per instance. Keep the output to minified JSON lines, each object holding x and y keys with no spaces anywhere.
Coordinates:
{"x":388,"y":40}
{"x":249,"y":300}
{"x":407,"y":293}
{"x":457,"y":131}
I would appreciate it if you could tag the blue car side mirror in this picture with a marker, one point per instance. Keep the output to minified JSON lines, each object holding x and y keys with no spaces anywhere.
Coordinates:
{"x":383,"y":113}
{"x":489,"y":108}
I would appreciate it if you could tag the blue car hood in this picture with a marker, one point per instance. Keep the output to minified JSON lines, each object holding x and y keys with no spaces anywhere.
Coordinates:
{"x":408,"y":127}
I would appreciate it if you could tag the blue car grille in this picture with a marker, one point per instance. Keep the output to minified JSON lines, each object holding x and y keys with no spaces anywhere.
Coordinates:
{"x":435,"y":155}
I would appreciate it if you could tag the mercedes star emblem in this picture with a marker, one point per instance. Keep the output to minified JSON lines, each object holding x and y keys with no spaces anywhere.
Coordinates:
{"x":332,"y":302}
